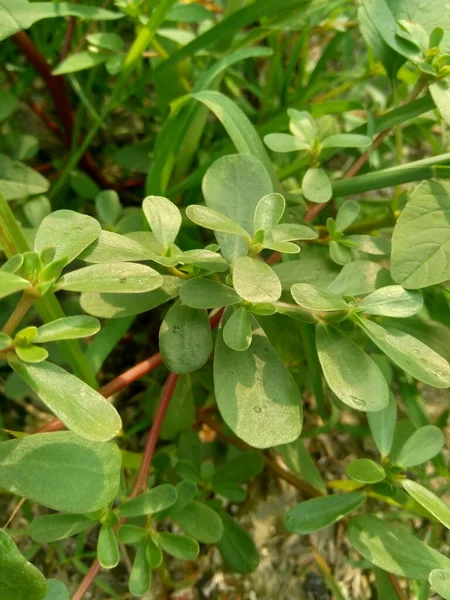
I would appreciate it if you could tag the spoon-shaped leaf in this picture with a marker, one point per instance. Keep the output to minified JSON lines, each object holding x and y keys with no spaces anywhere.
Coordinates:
{"x":118,"y":278}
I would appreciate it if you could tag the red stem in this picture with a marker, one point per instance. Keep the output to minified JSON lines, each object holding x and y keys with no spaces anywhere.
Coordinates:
{"x":87,"y":581}
{"x":68,"y":39}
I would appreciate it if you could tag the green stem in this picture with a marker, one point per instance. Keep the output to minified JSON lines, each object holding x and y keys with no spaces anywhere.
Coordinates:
{"x":18,"y":314}
{"x":13,"y":242}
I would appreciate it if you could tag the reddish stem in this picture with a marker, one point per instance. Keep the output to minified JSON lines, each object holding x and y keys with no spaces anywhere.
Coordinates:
{"x":68,"y":39}
{"x":87,"y":581}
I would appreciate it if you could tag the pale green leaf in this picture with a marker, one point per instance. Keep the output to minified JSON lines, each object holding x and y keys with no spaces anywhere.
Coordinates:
{"x":382,"y":426}
{"x":108,"y":41}
{"x":286,"y":232}
{"x":351,"y":374}
{"x":434,"y":505}
{"x":392,"y":301}
{"x":108,"y":553}
{"x":68,"y":231}
{"x":340,"y":253}
{"x":204,"y":259}
{"x":61,"y":470}
{"x":269,"y":211}
{"x":346,"y":140}
{"x":31,"y":353}
{"x":440,"y":92}
{"x":206,"y":293}
{"x":141,"y":572}
{"x":11,"y":283}
{"x":67,"y":328}
{"x":440,"y":581}
{"x":284,"y":142}
{"x":314,"y":298}
{"x":255,"y":393}
{"x":80,"y":408}
{"x":212,"y":219}
{"x":360,"y":277}
{"x":56,"y":590}
{"x":421,"y":446}
{"x":255,"y":281}
{"x":393,"y":549}
{"x":16,"y":179}
{"x":131,"y":534}
{"x":185,"y":339}
{"x":237,"y":333}
{"x":316,"y":514}
{"x":112,"y":247}
{"x":107,"y":202}
{"x":80,"y":62}
{"x":298,"y":460}
{"x":116,"y":278}
{"x":316,"y":186}
{"x":163,"y":217}
{"x":302,"y":125}
{"x":347,"y":214}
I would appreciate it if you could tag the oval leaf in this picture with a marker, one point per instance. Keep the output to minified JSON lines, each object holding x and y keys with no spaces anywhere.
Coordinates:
{"x":237,"y":333}
{"x":316,"y":299}
{"x":179,"y":546}
{"x":51,"y":528}
{"x":107,"y":547}
{"x":440,"y":581}
{"x":365,"y":470}
{"x":421,"y":446}
{"x":163,"y":217}
{"x":237,"y":548}
{"x":152,"y":501}
{"x":206,"y":293}
{"x":255,"y":281}
{"x":392,"y":301}
{"x":269,"y":211}
{"x":200,"y":522}
{"x":10,"y":283}
{"x":316,"y":186}
{"x":382,"y":426}
{"x":212,"y":219}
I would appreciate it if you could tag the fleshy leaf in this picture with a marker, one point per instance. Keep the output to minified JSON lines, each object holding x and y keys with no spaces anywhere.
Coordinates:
{"x":392,"y":301}
{"x":255,"y":281}
{"x":421,"y":446}
{"x":316,"y":299}
{"x":115,"y":278}
{"x":237,"y":333}
{"x":67,"y":328}
{"x":434,"y":505}
{"x":206,"y":293}
{"x":316,"y":186}
{"x":163,"y":217}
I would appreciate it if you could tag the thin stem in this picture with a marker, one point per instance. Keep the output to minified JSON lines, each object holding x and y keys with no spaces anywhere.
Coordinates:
{"x":397,"y":589}
{"x":87,"y":581}
{"x":23,"y":306}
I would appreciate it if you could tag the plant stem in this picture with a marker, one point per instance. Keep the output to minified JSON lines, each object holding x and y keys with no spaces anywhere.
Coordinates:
{"x":23,"y":306}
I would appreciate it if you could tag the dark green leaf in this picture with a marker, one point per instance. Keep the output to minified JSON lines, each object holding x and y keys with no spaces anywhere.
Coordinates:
{"x":365,"y":470}
{"x":200,"y":522}
{"x":237,"y":548}
{"x":206,"y":293}
{"x":244,"y":467}
{"x":51,"y":528}
{"x":179,"y":546}
{"x":107,"y":547}
{"x":152,"y":501}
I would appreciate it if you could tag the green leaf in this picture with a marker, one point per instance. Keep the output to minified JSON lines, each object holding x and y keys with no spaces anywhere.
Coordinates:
{"x":316,"y":270}
{"x":410,"y":354}
{"x":51,"y":528}
{"x":286,"y":232}
{"x":392,"y":301}
{"x":179,"y":546}
{"x":118,"y":278}
{"x":185,"y":339}
{"x":316,"y":514}
{"x":237,"y":333}
{"x":237,"y":548}
{"x":351,"y":374}
{"x":440,"y":92}
{"x":358,"y":278}
{"x":107,"y":202}
{"x":233,"y":186}
{"x":302,"y":125}
{"x":186,"y":492}
{"x":9,"y":104}
{"x":434,"y":505}
{"x":11,"y":283}
{"x":212,"y":219}
{"x":231,"y":491}
{"x":340,"y":253}
{"x":314,"y":298}
{"x":108,"y":41}
{"x":298,"y":460}
{"x":181,"y":412}
{"x":200,"y":522}
{"x":371,"y":244}
{"x":191,"y":13}
{"x":393,"y":549}
{"x":440,"y":581}
{"x":163,"y":217}
{"x":206,"y":293}
{"x":68,"y":231}
{"x":61,"y":470}
{"x":67,"y":328}
{"x":269,"y":211}
{"x":421,"y":240}
{"x":80,"y":62}
{"x":204,"y":259}
{"x":423,"y":445}
{"x":240,"y":469}
{"x":316,"y":186}
{"x":116,"y":306}
{"x":5,"y":341}
{"x":31,"y":353}
{"x":347,"y":214}
{"x":12,"y":265}
{"x":56,"y":590}
{"x":141,"y":572}
{"x":16,"y":179}
{"x":107,"y":547}
{"x":284,"y":142}
{"x":255,"y":281}
{"x":112,"y":247}
{"x":382,"y":426}
{"x":131,"y":534}
{"x":19,"y":579}
{"x":154,"y":554}
{"x":256,"y":395}
{"x":239,"y":128}
{"x":346,"y":140}
{"x":152,"y":501}
{"x":365,"y":470}
{"x":80,"y":408}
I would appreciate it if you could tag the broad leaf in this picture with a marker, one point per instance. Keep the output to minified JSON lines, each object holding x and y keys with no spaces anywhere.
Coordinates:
{"x":237,"y":333}
{"x":19,"y":579}
{"x":286,"y":232}
{"x":115,"y":278}
{"x":112,"y":247}
{"x":158,"y":498}
{"x":16,"y":179}
{"x":200,"y":522}
{"x":314,"y":298}
{"x":255,"y":393}
{"x":31,"y":353}
{"x":351,"y":374}
{"x":434,"y":505}
{"x":269,"y":211}
{"x":61,"y":470}
{"x":234,"y":185}
{"x":212,"y":219}
{"x":360,"y":277}
{"x":347,"y":214}
{"x":316,"y":186}
{"x":340,"y":253}
{"x":206,"y":293}
{"x":11,"y":283}
{"x":107,"y":41}
{"x":284,"y":142}
{"x":440,"y":581}
{"x":382,"y":426}
{"x":107,"y":202}
{"x":393,"y":549}
{"x":116,"y":306}
{"x":302,"y":125}
{"x":80,"y":408}
{"x":392,"y":301}
{"x":67,"y":328}
{"x":51,"y":528}
{"x":68,"y":231}
{"x":421,"y":240}
{"x":185,"y":339}
{"x":179,"y":546}
{"x":163,"y":217}
{"x":255,"y":281}
{"x":237,"y":548}
{"x":365,"y":470}
{"x":421,"y":446}
{"x":316,"y":514}
{"x":410,"y":354}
